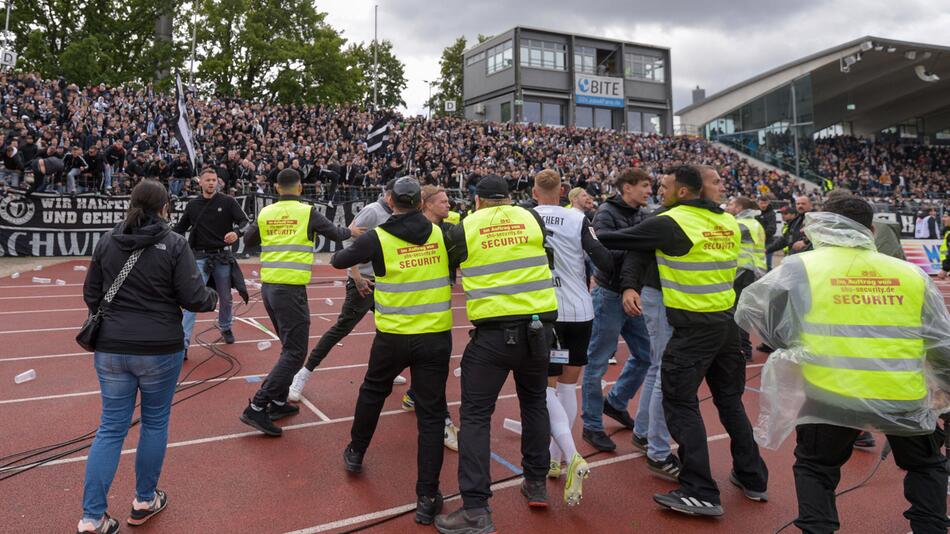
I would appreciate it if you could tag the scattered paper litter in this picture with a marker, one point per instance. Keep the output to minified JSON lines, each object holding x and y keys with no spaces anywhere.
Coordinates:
{"x":337,"y":283}
{"x":80,"y":268}
{"x":263,"y":345}
{"x":15,"y":275}
{"x":25,"y":376}
{"x":37,"y":267}
{"x":329,"y":301}
{"x":60,"y":282}
{"x":457,"y":371}
{"x":38,"y":280}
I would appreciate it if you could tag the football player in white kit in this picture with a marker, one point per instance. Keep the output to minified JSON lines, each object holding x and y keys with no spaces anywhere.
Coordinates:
{"x":571,"y":237}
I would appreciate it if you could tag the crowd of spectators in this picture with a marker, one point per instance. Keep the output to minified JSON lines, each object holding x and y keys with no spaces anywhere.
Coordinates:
{"x":111,"y":137}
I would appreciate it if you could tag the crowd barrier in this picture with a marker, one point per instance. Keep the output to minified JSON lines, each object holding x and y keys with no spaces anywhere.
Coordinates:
{"x":58,"y":225}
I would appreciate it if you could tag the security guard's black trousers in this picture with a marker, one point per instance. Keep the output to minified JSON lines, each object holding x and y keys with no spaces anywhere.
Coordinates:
{"x":289,"y":312}
{"x":427,"y":357}
{"x":488,"y":358}
{"x":709,"y":352}
{"x":822,"y":449}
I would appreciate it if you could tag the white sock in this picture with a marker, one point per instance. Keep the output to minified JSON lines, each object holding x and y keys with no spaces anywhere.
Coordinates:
{"x":567,"y":396}
{"x":553,"y":407}
{"x":305,"y":373}
{"x":560,"y":429}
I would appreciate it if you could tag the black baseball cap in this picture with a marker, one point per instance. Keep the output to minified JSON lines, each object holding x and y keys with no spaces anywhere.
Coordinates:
{"x":407,"y":192}
{"x":492,"y":187}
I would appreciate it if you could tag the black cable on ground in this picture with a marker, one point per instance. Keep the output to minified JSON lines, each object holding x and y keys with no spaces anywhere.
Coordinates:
{"x":499,"y":481}
{"x":17,"y":466}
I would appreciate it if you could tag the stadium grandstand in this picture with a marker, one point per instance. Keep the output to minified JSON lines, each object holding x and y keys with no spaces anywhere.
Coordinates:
{"x":872,"y":115}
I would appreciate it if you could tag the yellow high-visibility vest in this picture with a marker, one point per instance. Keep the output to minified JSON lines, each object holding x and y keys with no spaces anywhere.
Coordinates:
{"x":506,"y":272}
{"x":414,"y":295}
{"x":453,"y":218}
{"x":863,"y":330}
{"x":286,"y":250}
{"x":752,"y":255}
{"x":701,"y":280}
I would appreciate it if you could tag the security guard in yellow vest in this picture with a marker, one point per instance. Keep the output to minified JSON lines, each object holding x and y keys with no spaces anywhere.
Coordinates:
{"x":286,"y":231}
{"x":413,"y":329}
{"x":865,"y":328}
{"x":697,"y":249}
{"x":454,"y":217}
{"x":511,"y":302}
{"x":752,"y":265}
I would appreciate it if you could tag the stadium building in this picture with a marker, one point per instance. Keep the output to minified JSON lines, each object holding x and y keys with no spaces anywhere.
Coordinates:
{"x":870,"y":87}
{"x":543,"y":76}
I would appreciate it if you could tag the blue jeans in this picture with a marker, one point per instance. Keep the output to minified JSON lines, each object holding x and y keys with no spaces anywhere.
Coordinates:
{"x":610,"y":321}
{"x":650,"y":419}
{"x":175,"y":185}
{"x":121,"y":377}
{"x":222,"y":284}
{"x":107,"y":176}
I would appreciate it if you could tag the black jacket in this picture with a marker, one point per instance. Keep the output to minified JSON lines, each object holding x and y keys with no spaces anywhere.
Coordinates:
{"x":13,"y":164}
{"x":412,"y":227}
{"x":794,"y":233}
{"x":611,"y":216}
{"x":767,"y":219}
{"x":145,"y":315}
{"x":663,"y":233}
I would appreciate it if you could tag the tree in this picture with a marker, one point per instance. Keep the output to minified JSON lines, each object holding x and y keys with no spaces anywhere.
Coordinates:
{"x":391,"y":78}
{"x":275,"y":50}
{"x":449,"y":84}
{"x":92,"y":41}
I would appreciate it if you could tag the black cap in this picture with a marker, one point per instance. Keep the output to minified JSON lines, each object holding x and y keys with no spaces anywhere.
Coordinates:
{"x":492,"y":187}
{"x":407,"y":192}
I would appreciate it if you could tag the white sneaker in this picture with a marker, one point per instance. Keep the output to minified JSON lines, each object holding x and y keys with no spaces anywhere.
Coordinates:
{"x":451,"y":440}
{"x":296,"y":388}
{"x":399,"y":380}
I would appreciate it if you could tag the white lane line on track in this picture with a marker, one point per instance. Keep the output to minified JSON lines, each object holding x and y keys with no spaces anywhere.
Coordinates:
{"x":241,"y":377}
{"x":356,"y":520}
{"x":306,"y":402}
{"x":227,"y":437}
{"x":239,"y":342}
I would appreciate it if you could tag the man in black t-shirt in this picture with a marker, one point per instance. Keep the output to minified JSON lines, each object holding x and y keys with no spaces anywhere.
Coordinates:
{"x":216,"y":222}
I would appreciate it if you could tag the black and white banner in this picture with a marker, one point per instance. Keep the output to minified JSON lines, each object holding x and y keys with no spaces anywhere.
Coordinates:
{"x":378,"y":134}
{"x":181,"y":125}
{"x":53,"y":225}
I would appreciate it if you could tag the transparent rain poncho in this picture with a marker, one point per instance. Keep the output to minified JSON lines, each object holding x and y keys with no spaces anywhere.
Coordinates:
{"x":775,"y":307}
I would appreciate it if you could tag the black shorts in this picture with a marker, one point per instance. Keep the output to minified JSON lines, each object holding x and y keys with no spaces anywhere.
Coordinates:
{"x":574,"y":338}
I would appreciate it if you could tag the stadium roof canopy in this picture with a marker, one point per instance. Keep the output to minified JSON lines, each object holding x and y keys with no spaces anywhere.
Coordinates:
{"x":869,"y":84}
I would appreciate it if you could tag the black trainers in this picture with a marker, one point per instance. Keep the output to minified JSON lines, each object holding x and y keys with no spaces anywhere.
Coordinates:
{"x":865,"y":441}
{"x":260,"y":420}
{"x":668,"y":468}
{"x":186,"y":354}
{"x":140,"y":516}
{"x":599,"y":440}
{"x":228,"y":336}
{"x":462,"y":521}
{"x":620,"y":416}
{"x":279,"y":411}
{"x":427,"y":508}
{"x":108,"y":526}
{"x":639,"y":442}
{"x":353,"y":460}
{"x":758,"y":496}
{"x":681,"y":502}
{"x":536,"y":492}
{"x":764,"y":348}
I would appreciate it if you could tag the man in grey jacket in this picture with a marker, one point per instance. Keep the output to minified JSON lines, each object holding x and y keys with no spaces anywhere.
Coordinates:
{"x":359,"y":295}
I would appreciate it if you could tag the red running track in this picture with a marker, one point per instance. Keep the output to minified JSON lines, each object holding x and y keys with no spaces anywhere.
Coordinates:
{"x":222,"y":477}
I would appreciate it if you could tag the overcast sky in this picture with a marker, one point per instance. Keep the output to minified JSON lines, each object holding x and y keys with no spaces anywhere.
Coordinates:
{"x":714,"y":44}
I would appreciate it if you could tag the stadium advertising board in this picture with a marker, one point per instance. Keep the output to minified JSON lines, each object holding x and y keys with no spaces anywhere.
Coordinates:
{"x":53,"y":225}
{"x":924,"y":253}
{"x":598,"y":91}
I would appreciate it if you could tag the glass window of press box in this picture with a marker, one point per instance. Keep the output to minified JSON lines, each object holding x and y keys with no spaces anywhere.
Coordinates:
{"x":641,"y":67}
{"x":500,"y":57}
{"x":543,"y":54}
{"x":585,"y":59}
{"x":544,"y":112}
{"x":644,"y":122}
{"x":772,"y":128}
